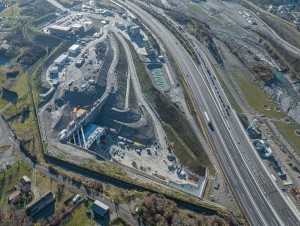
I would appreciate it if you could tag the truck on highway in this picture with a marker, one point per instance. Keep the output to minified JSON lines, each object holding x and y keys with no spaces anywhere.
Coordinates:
{"x":208,"y":121}
{"x":207,"y":118}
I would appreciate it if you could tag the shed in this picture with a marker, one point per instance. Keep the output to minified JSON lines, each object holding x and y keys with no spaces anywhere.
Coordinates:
{"x":15,"y":197}
{"x":61,"y":60}
{"x":100,"y":210}
{"x":25,"y":180}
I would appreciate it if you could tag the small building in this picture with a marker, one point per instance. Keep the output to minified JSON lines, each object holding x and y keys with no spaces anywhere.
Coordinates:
{"x":60,"y":30}
{"x":39,"y":204}
{"x":80,"y":62}
{"x":134,"y":30}
{"x":100,"y":210}
{"x":61,"y":60}
{"x":53,"y":72}
{"x":25,"y":180}
{"x":74,"y":50}
{"x":79,"y":28}
{"x":122,"y":26}
{"x":15,"y":197}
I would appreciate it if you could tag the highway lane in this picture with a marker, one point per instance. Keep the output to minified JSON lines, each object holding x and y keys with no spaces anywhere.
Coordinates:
{"x":258,"y":209}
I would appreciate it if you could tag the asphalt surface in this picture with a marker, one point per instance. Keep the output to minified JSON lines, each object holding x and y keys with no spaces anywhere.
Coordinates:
{"x":228,"y":139}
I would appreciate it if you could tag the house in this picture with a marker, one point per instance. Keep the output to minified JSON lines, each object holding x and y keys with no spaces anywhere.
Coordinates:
{"x":100,"y":210}
{"x":15,"y":197}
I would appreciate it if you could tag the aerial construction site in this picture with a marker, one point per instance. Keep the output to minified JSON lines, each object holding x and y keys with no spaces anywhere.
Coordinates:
{"x":95,"y":103}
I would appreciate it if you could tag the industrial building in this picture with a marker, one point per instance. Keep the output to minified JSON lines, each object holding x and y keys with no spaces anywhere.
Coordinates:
{"x":134,"y":30}
{"x":100,"y":210}
{"x":53,"y":72}
{"x":74,"y":50}
{"x":61,"y":60}
{"x":78,"y":28}
{"x":60,"y":30}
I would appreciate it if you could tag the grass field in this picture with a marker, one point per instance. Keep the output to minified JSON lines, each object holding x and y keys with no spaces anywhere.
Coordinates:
{"x":255,"y":97}
{"x":10,"y":177}
{"x":287,"y":131}
{"x":45,"y":184}
{"x":194,"y":7}
{"x":79,"y":216}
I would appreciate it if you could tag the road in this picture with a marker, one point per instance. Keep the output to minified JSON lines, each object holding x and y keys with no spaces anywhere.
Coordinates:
{"x":123,"y":210}
{"x":259,"y":208}
{"x":137,"y":89}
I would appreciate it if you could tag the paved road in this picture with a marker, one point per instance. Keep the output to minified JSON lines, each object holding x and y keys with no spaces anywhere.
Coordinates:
{"x":123,"y":210}
{"x":258,"y":207}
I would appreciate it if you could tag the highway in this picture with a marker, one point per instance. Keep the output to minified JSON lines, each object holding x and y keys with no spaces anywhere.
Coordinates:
{"x":265,"y":206}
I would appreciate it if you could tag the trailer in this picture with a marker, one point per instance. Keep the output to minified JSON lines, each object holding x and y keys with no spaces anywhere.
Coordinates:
{"x":207,"y":118}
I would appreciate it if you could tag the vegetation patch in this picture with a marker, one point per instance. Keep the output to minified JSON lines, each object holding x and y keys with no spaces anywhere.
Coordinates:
{"x":255,"y":97}
{"x":11,"y":176}
{"x":155,"y":209}
{"x":288,"y":132}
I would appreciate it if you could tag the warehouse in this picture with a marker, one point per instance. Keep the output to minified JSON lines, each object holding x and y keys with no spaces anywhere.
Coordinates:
{"x":78,"y":28}
{"x":61,"y":60}
{"x":60,"y":30}
{"x":74,"y":50}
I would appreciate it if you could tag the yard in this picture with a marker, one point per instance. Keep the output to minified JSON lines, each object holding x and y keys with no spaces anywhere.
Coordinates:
{"x":287,"y":131}
{"x":10,"y":177}
{"x":80,"y":216}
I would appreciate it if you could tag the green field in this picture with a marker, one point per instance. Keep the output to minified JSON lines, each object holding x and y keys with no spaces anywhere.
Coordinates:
{"x":287,"y":131}
{"x":255,"y":97}
{"x":9,"y":177}
{"x":79,"y":216}
{"x":194,"y":7}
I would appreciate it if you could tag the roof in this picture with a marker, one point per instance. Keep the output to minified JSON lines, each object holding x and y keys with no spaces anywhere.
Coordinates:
{"x":77,"y":25}
{"x":135,"y":27}
{"x":25,"y":179}
{"x":74,"y":47}
{"x":14,"y":195}
{"x":58,"y":27}
{"x":61,"y":58}
{"x":100,"y":208}
{"x":41,"y":200}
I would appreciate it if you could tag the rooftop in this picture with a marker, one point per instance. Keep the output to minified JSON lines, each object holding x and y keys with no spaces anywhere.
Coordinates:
{"x":61,"y":58}
{"x":100,"y":208}
{"x":58,"y":27}
{"x":74,"y":47}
